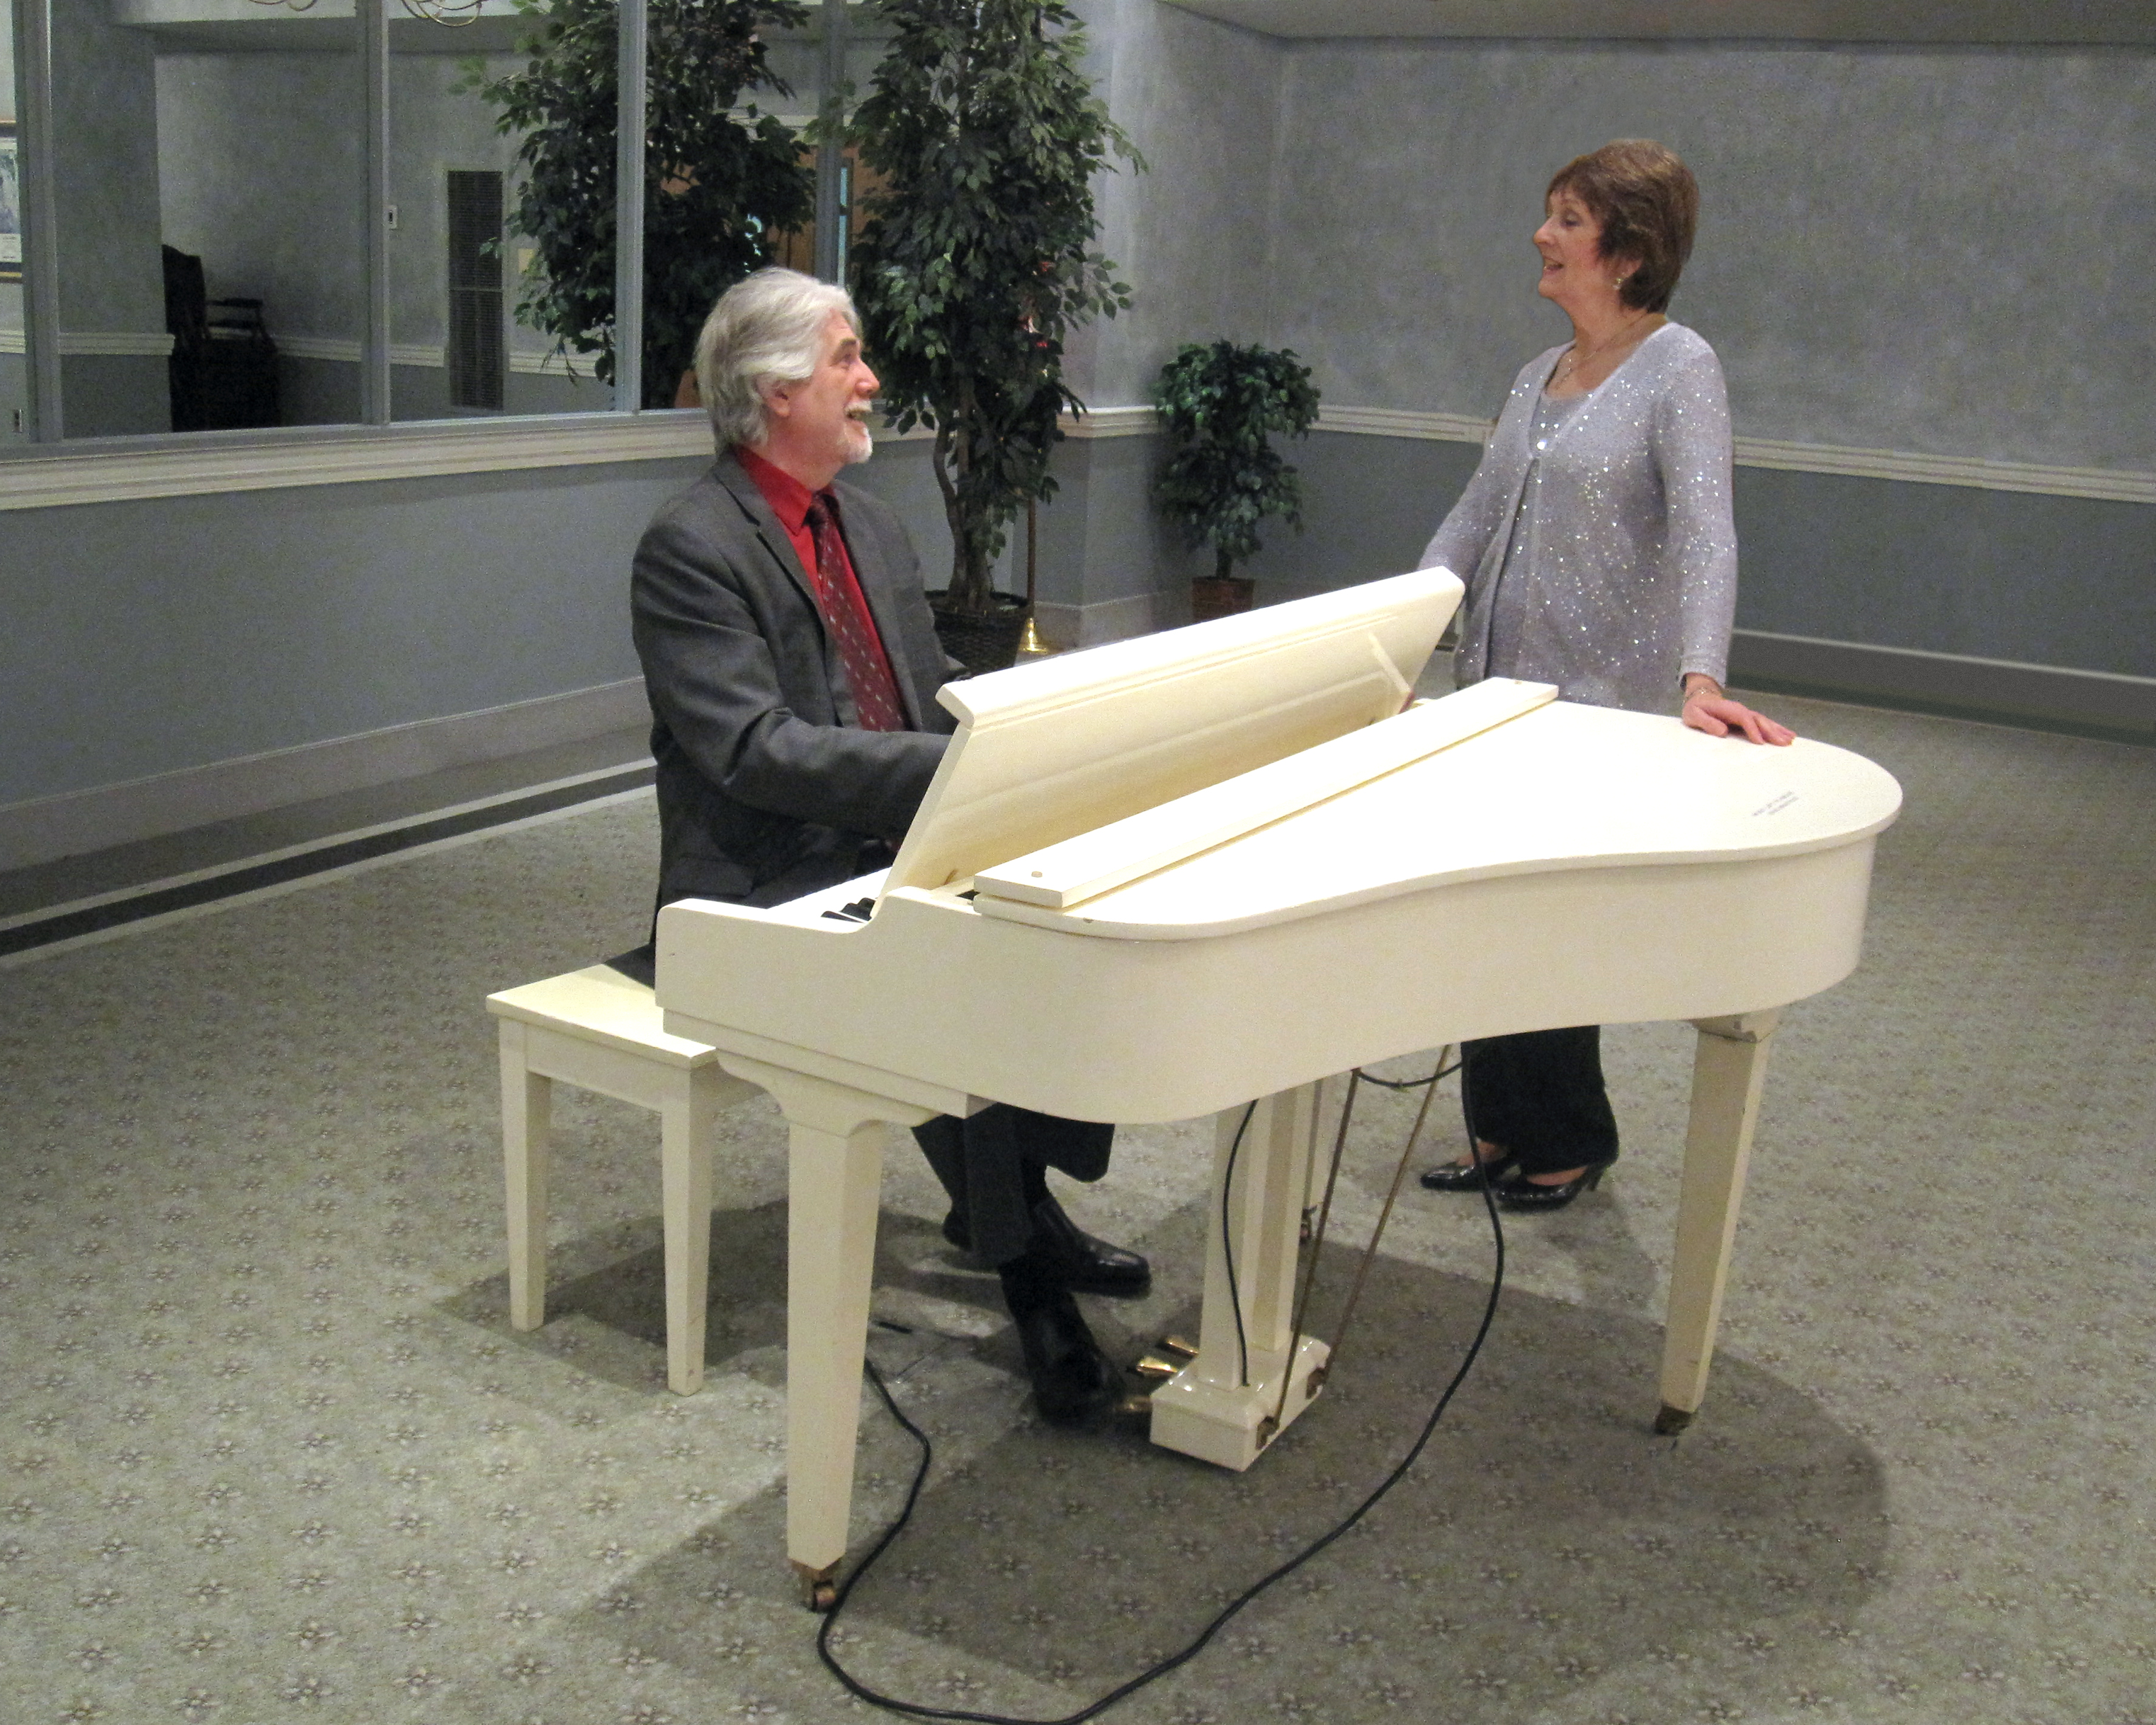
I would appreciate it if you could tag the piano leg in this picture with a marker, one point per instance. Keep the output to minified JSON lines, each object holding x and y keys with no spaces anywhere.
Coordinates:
{"x":1211,"y":1409}
{"x":1727,"y":1073}
{"x":834,"y":1178}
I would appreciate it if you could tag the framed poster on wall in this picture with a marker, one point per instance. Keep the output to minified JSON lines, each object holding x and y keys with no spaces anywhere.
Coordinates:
{"x":11,"y":206}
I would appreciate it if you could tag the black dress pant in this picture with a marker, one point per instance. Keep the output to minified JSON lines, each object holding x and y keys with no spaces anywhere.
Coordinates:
{"x":1539,"y":1095}
{"x":993,"y":1166}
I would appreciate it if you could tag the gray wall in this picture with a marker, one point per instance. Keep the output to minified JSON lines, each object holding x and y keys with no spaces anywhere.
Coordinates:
{"x":1938,"y":250}
{"x":1193,"y":232}
{"x":151,"y":636}
{"x":148,"y":637}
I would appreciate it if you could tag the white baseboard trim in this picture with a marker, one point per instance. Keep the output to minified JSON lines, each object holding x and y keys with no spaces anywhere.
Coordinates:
{"x":1068,"y":626}
{"x":2001,"y":687}
{"x":44,"y":829}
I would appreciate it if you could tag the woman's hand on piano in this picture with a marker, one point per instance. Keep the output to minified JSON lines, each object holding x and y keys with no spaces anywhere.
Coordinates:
{"x":1706,"y":708}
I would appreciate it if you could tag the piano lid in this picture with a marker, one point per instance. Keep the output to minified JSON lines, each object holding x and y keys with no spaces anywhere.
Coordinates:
{"x":1562,"y":786}
{"x":1046,"y":751}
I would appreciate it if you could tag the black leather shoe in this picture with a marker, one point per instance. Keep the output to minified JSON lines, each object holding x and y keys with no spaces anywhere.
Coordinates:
{"x":1074,"y":1383}
{"x":1521,"y":1194}
{"x":1062,"y":1253}
{"x":1466,"y":1176}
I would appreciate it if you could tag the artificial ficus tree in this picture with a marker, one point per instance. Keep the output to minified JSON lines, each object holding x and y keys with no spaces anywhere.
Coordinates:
{"x":977,"y":258}
{"x":718,"y":184}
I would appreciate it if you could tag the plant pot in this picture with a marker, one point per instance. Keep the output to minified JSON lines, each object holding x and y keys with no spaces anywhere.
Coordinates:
{"x":1213,"y":596}
{"x":981,"y":644}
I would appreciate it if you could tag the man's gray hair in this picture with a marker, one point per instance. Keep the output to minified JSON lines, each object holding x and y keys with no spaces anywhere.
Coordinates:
{"x":768,"y":329}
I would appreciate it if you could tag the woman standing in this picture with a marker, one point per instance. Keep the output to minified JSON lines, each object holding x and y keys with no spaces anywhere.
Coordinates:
{"x":1600,"y":554}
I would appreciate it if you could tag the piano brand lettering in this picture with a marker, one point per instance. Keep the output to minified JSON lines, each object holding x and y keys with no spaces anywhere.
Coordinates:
{"x":1777,"y":805}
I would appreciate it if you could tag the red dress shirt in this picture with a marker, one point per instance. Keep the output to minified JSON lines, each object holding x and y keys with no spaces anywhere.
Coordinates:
{"x":839,"y":596}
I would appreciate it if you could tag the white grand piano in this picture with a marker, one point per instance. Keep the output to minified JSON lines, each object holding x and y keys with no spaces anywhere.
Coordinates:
{"x":1221,"y":865}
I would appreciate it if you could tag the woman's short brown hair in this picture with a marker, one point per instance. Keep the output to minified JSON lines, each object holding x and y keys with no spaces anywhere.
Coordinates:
{"x":1647,"y":203}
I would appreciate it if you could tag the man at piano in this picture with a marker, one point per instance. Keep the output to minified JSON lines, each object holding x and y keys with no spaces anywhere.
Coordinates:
{"x":792,"y":665}
{"x":1600,"y":552}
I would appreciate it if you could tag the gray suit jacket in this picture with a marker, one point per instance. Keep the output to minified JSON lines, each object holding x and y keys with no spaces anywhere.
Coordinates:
{"x":766,"y":788}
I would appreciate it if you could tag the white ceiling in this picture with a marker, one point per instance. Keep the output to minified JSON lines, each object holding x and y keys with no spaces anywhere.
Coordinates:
{"x":2086,"y":21}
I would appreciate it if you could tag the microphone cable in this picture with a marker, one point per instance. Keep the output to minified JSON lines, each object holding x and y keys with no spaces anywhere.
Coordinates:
{"x":1093,"y":1710}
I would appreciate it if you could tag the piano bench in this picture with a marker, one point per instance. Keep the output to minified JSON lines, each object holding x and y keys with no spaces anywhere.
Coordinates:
{"x":600,"y":1031}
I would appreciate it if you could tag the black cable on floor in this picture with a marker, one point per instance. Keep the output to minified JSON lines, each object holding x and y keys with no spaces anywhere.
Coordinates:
{"x":1152,"y":1673}
{"x":1408,"y":1083}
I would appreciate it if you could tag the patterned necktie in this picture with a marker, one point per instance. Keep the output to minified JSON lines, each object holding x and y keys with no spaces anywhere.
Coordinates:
{"x":846,"y":615}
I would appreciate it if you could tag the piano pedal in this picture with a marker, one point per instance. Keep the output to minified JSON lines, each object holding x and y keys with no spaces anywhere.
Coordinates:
{"x":1134,"y":1407}
{"x":1158,"y":1365}
{"x":1177,"y":1345}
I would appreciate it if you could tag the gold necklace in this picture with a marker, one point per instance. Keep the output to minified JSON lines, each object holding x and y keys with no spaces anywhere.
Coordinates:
{"x":1574,"y":358}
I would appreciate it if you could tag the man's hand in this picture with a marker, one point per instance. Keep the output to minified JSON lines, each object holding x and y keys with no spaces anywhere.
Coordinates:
{"x":1706,"y":708}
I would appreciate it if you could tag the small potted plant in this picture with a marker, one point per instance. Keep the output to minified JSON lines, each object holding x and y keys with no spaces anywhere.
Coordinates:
{"x":1220,"y":406}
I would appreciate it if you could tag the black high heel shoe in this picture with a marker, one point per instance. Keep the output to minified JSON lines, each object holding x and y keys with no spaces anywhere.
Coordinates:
{"x":1468,"y":1176}
{"x":1519,"y":1193}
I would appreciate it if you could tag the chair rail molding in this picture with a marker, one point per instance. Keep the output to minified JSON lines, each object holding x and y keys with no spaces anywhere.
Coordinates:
{"x":2110,"y":484}
{"x":208,"y":462}
{"x":240,"y":461}
{"x":126,"y":344}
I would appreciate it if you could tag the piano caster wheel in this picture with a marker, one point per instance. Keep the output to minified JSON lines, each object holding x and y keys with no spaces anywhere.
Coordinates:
{"x":1306,"y":1230}
{"x":820,"y":1588}
{"x":1670,"y":1421}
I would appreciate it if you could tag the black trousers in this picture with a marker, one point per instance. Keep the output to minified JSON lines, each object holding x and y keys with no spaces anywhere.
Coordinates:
{"x":993,"y":1166}
{"x":1539,"y":1094}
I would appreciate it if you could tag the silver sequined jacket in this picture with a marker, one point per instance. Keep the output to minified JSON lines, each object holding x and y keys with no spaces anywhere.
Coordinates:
{"x":1605,"y":561}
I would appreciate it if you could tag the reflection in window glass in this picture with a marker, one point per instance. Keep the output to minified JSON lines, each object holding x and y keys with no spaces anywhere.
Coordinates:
{"x":722,"y":172}
{"x":14,"y":360}
{"x":115,"y":340}
{"x":446,"y":144}
{"x":477,"y":355}
{"x":209,"y":170}
{"x":256,"y":128}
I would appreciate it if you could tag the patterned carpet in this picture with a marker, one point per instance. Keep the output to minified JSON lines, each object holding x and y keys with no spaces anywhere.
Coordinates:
{"x":271,"y":1452}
